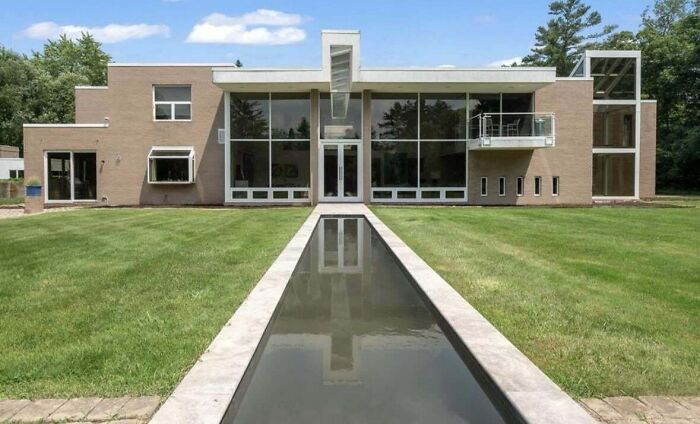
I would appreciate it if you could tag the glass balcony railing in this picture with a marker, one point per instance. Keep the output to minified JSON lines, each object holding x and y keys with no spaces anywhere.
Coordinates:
{"x":536,"y":128}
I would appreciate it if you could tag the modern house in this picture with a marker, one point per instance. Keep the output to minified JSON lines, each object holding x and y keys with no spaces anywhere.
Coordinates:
{"x":218,"y":134}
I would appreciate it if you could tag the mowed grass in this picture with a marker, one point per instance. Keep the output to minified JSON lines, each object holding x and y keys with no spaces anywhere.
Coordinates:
{"x":606,"y":301}
{"x":123,"y":301}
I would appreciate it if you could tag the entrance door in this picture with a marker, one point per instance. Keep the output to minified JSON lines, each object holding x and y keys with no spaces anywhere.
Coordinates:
{"x":340,"y":172}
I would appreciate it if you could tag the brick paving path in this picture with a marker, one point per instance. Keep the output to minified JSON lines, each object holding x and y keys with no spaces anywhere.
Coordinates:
{"x":645,"y":410}
{"x":123,"y":410}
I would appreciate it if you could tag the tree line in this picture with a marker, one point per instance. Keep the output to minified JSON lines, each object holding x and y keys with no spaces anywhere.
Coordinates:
{"x":40,"y":87}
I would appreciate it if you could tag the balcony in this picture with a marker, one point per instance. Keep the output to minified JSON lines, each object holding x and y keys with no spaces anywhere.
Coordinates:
{"x":512,"y":131}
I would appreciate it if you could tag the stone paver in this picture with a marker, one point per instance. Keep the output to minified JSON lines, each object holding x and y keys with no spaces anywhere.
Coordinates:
{"x":140,"y":407}
{"x":645,"y":410}
{"x":667,"y":407}
{"x":92,"y":410}
{"x":75,"y":409}
{"x":37,"y":410}
{"x":10,"y":407}
{"x":107,"y":409}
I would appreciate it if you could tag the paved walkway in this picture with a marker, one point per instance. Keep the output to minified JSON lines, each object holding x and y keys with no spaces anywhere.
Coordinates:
{"x":18,"y":212}
{"x":645,"y":409}
{"x":123,"y":410}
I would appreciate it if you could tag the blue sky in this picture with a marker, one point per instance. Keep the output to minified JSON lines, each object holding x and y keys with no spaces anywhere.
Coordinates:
{"x":287,"y":33}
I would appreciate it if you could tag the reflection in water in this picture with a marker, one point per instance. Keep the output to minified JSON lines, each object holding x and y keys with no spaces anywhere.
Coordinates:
{"x":353,"y":342}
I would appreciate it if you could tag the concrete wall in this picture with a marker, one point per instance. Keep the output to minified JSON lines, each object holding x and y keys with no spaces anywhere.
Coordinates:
{"x":570,"y":159}
{"x":91,"y":105}
{"x":647,"y":157}
{"x":122,"y":149}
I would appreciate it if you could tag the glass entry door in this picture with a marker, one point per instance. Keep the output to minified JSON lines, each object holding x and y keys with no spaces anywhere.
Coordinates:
{"x":340,"y":172}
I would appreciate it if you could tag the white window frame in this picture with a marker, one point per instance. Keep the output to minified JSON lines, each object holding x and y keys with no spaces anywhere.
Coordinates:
{"x":537,"y":186}
{"x":190,"y":165}
{"x":171,"y":103}
{"x":519,"y":186}
{"x":501,"y":193}
{"x":445,"y":194}
{"x":231,"y":193}
{"x":72,"y":177}
{"x":555,"y":186}
{"x":484,"y":186}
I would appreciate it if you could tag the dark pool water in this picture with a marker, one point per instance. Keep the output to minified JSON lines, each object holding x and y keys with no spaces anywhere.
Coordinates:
{"x":353,"y":341}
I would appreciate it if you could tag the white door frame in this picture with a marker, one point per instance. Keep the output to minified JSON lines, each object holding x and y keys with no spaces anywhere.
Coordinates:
{"x":341,"y":191}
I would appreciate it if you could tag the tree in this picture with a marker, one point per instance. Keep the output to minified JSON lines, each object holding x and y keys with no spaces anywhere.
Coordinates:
{"x":563,"y":40}
{"x":17,"y":95}
{"x":238,"y":63}
{"x":670,"y":44}
{"x":63,"y":64}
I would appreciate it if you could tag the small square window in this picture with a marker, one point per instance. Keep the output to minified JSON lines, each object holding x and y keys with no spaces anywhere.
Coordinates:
{"x":555,"y":186}
{"x":163,"y":112}
{"x":182,"y":111}
{"x":538,"y":186}
{"x":454,"y":194}
{"x":239,"y":195}
{"x":502,"y":186}
{"x":430,"y":194}
{"x":13,"y":173}
{"x":381,"y":195}
{"x":519,"y":189}
{"x":406,"y":195}
{"x":280,"y":195}
{"x":484,"y":186}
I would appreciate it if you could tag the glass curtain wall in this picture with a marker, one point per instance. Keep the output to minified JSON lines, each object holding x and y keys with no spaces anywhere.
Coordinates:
{"x":270,"y":137}
{"x":418,"y":145}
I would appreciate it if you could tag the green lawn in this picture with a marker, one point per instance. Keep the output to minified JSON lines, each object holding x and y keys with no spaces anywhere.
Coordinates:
{"x":123,"y":301}
{"x":605,"y":300}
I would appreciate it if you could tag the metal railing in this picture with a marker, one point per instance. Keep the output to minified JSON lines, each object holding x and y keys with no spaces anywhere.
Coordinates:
{"x":529,"y":124}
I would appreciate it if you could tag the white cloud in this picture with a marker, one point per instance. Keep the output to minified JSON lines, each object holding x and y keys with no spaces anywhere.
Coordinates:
{"x":249,"y":28}
{"x":112,"y":33}
{"x":507,"y":62}
{"x":446,"y":66}
{"x":484,"y":19}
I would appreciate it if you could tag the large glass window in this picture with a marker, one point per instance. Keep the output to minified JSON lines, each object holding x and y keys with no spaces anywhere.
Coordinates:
{"x":480,"y":104}
{"x":290,"y":116}
{"x":418,"y":147}
{"x":394,"y":116}
{"x":613,"y":174}
{"x":613,"y":77}
{"x":443,"y":116}
{"x":341,"y":124}
{"x":71,"y":176}
{"x":270,"y":135}
{"x":250,"y":115}
{"x":443,"y":163}
{"x":613,"y":126}
{"x":290,"y":163}
{"x":394,"y":163}
{"x":517,"y":118}
{"x":172,"y":103}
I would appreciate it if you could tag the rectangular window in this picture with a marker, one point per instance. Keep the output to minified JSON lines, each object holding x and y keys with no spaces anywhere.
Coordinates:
{"x":443,"y":116}
{"x":394,"y":116}
{"x":484,"y":186}
{"x":519,"y":186}
{"x":394,"y":163}
{"x":270,"y":142}
{"x":172,"y":102}
{"x":13,"y":173}
{"x":339,"y":123}
{"x":613,"y":174}
{"x":71,"y":176}
{"x":538,"y":186}
{"x":555,"y":186}
{"x":613,"y":126}
{"x":502,"y":186}
{"x":442,"y":163}
{"x":171,"y":165}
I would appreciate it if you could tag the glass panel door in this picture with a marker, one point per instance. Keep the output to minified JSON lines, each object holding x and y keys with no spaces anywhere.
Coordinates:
{"x":349,"y":170}
{"x":58,"y":176}
{"x":330,"y":170}
{"x":340,"y":169}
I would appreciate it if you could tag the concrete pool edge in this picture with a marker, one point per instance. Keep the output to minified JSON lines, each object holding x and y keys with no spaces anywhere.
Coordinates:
{"x":204,"y":394}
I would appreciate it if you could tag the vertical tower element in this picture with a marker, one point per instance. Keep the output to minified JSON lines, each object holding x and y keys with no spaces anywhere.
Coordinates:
{"x":341,"y":65}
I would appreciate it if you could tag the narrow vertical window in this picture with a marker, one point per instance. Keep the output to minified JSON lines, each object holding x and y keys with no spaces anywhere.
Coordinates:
{"x":502,"y":186}
{"x":538,"y":186}
{"x":555,"y":186}
{"x":484,"y":186}
{"x":519,"y":186}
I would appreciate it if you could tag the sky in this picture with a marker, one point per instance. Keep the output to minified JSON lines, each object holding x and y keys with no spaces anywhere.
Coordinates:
{"x":287,"y":33}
